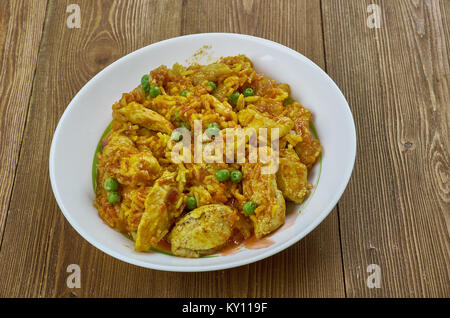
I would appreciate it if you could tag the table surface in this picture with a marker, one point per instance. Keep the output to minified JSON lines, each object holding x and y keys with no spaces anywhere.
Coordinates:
{"x":394,"y":213}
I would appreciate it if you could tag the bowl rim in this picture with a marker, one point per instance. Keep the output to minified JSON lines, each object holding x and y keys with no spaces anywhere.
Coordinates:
{"x":201,"y":268}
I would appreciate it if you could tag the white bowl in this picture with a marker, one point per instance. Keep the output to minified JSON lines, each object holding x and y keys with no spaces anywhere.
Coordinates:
{"x":89,"y":113}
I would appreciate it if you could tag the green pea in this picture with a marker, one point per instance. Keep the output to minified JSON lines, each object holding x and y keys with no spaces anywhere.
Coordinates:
{"x":191,"y":203}
{"x":145,"y":83}
{"x":154,"y":91}
{"x":212,"y":84}
{"x":213,"y":125}
{"x":212,"y":132}
{"x":176,"y":136}
{"x":223,"y":175}
{"x":234,"y":98}
{"x":176,"y":116}
{"x":185,"y":125}
{"x":247,"y":92}
{"x":288,"y":101}
{"x":236,"y":176}
{"x":212,"y":129}
{"x":113,"y":197}
{"x":184,"y":93}
{"x":249,"y":207}
{"x":111,"y":185}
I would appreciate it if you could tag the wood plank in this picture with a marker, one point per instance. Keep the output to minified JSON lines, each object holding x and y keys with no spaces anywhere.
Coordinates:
{"x":21,"y":27}
{"x":395,"y":212}
{"x":296,"y":24}
{"x":38,"y":243}
{"x":41,"y":244}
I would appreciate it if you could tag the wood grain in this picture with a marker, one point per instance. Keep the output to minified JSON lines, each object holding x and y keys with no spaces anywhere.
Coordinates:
{"x":395,"y":212}
{"x":20,"y":35}
{"x":38,"y":246}
{"x":45,"y":244}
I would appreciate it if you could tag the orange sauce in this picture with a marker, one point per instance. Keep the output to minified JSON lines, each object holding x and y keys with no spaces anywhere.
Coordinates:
{"x":164,"y":246}
{"x":231,"y":248}
{"x":253,"y":243}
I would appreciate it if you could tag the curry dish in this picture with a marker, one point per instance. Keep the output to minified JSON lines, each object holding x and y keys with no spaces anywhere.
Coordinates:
{"x":196,"y":208}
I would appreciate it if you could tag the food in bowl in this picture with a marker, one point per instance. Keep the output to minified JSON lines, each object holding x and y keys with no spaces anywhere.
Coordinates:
{"x":204,"y":156}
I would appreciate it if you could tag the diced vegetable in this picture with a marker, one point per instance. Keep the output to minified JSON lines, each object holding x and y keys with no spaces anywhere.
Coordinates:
{"x":111,"y":185}
{"x":223,"y":175}
{"x":249,"y":207}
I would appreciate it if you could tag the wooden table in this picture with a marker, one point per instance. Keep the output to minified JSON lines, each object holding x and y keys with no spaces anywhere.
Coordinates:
{"x":394,"y":213}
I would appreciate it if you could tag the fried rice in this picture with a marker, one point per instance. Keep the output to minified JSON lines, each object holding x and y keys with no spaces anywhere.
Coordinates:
{"x":151,"y":203}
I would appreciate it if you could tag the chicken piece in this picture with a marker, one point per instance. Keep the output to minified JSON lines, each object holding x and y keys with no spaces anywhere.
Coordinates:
{"x":308,"y":149}
{"x":117,"y":146}
{"x":252,"y":118}
{"x":292,"y":176}
{"x":203,"y":230}
{"x":222,"y":92}
{"x":201,"y":195}
{"x":158,"y":144}
{"x":138,"y":114}
{"x":122,"y":160}
{"x":262,"y":190}
{"x":139,"y":169}
{"x":163,"y":205}
{"x":210,"y":72}
{"x":223,"y":109}
{"x":244,"y":226}
{"x":132,"y":206}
